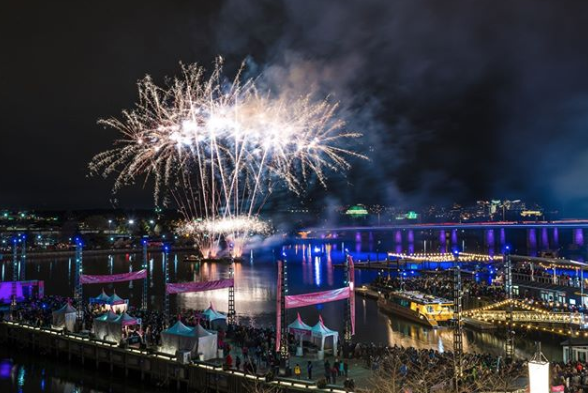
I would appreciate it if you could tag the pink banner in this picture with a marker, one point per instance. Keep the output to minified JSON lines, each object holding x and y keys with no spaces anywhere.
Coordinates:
{"x":139,"y":275}
{"x":199,"y":286}
{"x":309,"y":299}
{"x":352,"y":292}
{"x":279,"y":307}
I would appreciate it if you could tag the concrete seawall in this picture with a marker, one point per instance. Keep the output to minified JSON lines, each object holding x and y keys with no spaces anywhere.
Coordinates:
{"x":163,"y":369}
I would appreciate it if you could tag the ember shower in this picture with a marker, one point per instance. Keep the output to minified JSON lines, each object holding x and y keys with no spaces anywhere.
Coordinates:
{"x":217,"y":149}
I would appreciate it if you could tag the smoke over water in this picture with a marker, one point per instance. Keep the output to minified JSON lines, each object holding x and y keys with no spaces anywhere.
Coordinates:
{"x":457,"y":99}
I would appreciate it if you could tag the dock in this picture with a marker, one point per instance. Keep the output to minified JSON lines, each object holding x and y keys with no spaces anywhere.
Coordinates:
{"x":156,"y":367}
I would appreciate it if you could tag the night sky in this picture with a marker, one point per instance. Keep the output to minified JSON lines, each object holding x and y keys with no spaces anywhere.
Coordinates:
{"x":458,"y":100}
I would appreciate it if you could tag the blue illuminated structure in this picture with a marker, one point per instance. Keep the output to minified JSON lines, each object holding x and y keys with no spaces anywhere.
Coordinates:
{"x":144,"y":297}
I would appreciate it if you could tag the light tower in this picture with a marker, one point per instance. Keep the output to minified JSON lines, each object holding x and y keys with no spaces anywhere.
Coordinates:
{"x":232,"y":315}
{"x":348,"y":328}
{"x":166,"y":279}
{"x":15,"y":259}
{"x":145,"y":280}
{"x":510,"y":336}
{"x":457,"y":315}
{"x":78,"y":294}
{"x":283,"y":283}
{"x":23,"y":258}
{"x":14,"y":275}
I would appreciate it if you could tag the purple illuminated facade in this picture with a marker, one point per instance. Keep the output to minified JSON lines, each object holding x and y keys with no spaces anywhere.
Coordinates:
{"x":556,"y":237}
{"x":398,"y":237}
{"x":502,"y":237}
{"x":578,"y":237}
{"x":544,"y":238}
{"x":410,"y":236}
{"x":490,"y":238}
{"x":442,"y":238}
{"x":532,"y":241}
{"x":454,"y":237}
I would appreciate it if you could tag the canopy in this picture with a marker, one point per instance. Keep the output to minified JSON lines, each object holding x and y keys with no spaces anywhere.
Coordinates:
{"x":64,"y":318}
{"x":100,"y":299}
{"x":126,"y":320}
{"x":109,"y":326}
{"x":207,"y":342}
{"x":298,"y":327}
{"x":210,"y":314}
{"x":320,"y":332}
{"x":104,"y":328}
{"x":196,"y":340}
{"x":115,"y":299}
{"x":113,"y":302}
{"x":215,"y":319}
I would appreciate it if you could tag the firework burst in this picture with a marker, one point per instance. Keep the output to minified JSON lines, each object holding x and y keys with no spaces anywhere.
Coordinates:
{"x":217,"y":148}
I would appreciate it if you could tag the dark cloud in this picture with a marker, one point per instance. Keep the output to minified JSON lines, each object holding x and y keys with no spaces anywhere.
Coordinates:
{"x":458,"y":99}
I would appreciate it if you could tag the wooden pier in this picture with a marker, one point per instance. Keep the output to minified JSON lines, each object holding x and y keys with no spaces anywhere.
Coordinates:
{"x":157,"y":367}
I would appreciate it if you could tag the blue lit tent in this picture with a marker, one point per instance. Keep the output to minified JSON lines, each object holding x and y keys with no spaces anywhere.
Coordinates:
{"x":100,"y":299}
{"x":215,"y":319}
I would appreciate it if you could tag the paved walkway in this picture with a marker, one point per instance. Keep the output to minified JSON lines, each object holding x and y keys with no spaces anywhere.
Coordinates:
{"x":357,"y":369}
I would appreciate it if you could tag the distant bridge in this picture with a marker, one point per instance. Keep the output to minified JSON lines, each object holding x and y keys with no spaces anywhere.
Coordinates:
{"x":573,"y":224}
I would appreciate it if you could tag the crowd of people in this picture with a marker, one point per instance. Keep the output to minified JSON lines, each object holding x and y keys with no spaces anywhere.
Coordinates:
{"x":251,"y":350}
{"x":533,"y":273}
{"x":441,"y":286}
{"x":572,"y":376}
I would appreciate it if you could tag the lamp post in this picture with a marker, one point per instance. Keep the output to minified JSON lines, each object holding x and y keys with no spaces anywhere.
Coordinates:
{"x":78,"y":294}
{"x":509,"y":345}
{"x":457,"y":315}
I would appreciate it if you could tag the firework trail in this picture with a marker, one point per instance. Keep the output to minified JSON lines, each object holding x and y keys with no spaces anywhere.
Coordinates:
{"x":216,"y":149}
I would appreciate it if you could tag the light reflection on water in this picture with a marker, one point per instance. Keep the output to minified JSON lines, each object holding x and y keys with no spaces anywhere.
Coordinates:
{"x":310,"y":268}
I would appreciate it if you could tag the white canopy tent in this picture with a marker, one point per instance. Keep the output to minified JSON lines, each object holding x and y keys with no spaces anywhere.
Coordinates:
{"x":64,"y":318}
{"x":180,"y":337}
{"x":216,"y":319}
{"x":207,"y":343}
{"x":320,"y":333}
{"x":110,"y":326}
{"x":300,"y":330}
{"x":104,"y":329}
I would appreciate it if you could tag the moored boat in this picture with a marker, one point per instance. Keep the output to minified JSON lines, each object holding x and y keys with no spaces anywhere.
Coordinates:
{"x":418,"y":307}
